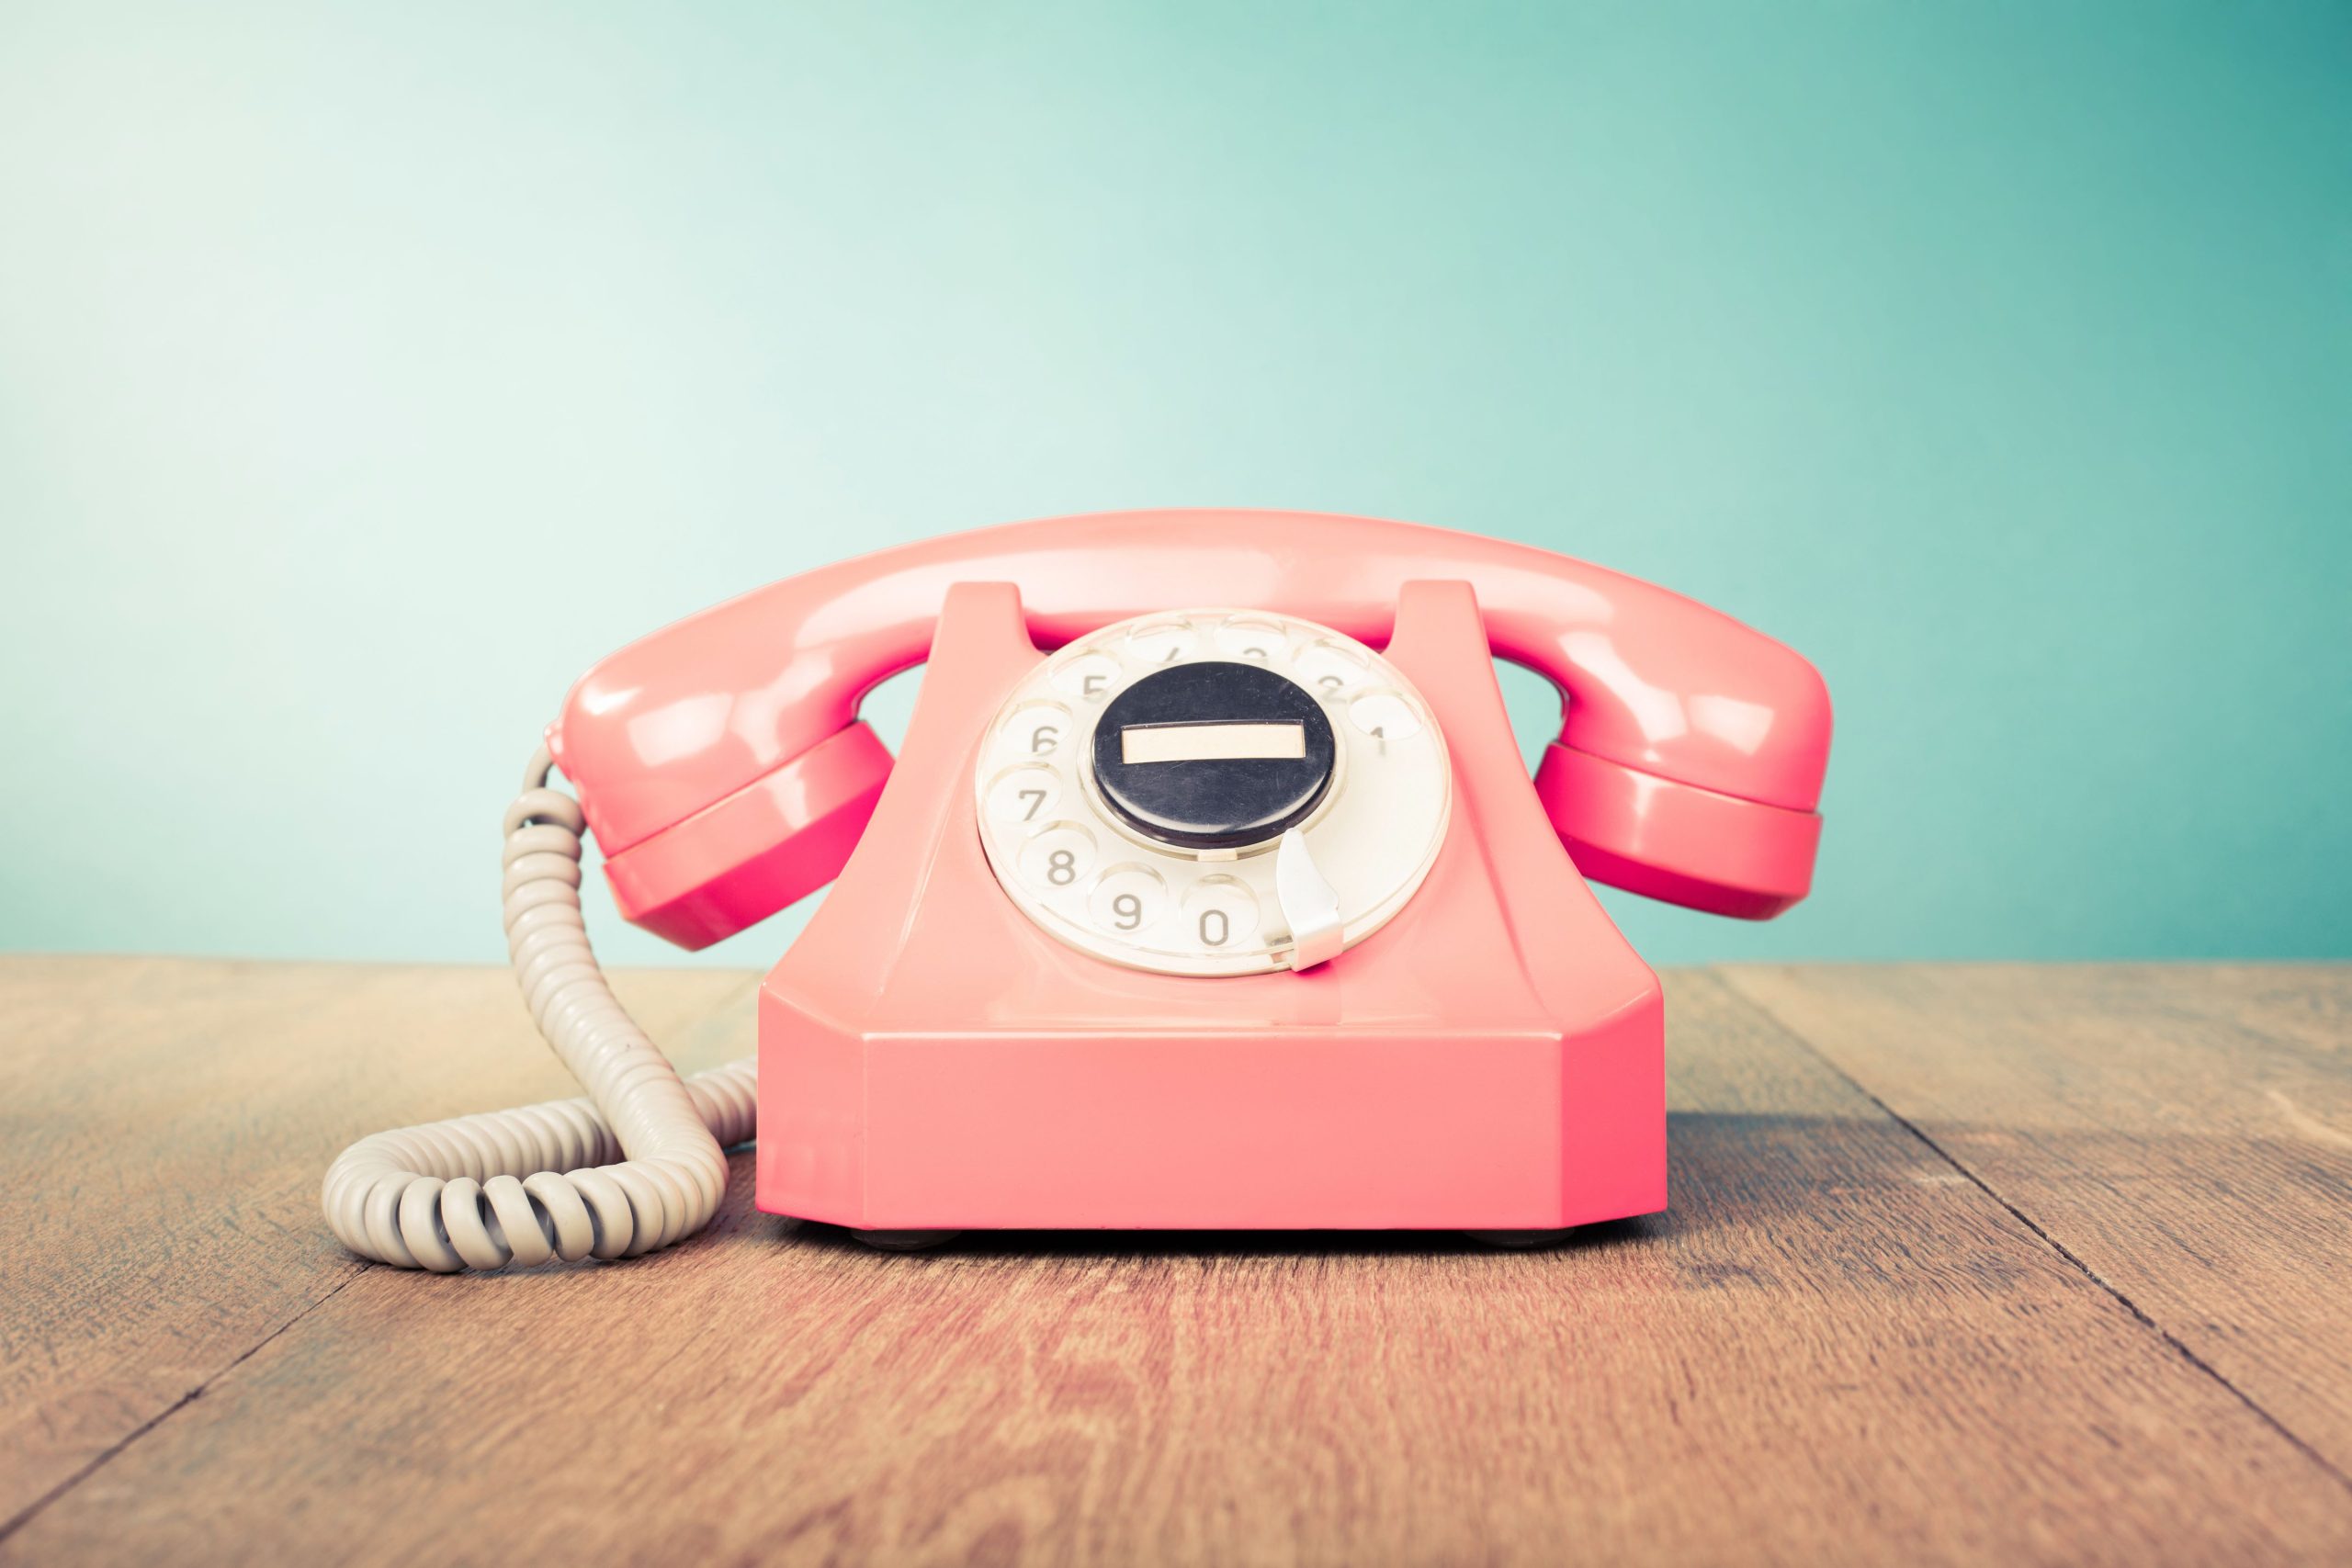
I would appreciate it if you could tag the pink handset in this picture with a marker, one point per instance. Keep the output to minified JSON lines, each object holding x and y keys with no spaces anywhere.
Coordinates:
{"x":1207,"y":892}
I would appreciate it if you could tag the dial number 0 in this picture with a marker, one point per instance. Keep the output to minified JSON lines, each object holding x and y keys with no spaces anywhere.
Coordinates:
{"x":1220,"y":912}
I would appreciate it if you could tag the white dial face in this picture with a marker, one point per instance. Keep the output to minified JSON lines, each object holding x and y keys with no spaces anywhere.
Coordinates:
{"x":1328,"y":792}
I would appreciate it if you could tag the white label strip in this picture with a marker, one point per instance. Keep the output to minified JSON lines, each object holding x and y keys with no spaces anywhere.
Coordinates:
{"x":1212,"y":742}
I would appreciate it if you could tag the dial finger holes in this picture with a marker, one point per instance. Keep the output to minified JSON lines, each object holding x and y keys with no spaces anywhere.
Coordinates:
{"x":1080,"y":790}
{"x":1059,"y":857}
{"x":1129,"y":899}
{"x":1024,"y":796}
{"x":1328,"y":671}
{"x":1385,"y":716}
{"x":1088,"y":678}
{"x":1163,"y":642}
{"x":1261,"y":642}
{"x":1220,"y":912}
{"x":1035,"y":729}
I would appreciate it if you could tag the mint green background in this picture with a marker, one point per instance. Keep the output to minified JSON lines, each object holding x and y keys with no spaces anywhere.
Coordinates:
{"x":367,"y":373}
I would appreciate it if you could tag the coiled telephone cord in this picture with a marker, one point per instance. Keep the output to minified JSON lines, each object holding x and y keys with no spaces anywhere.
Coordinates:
{"x":636,"y":1165}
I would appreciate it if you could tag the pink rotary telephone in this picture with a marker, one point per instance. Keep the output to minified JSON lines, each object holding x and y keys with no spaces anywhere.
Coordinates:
{"x":1208,"y":893}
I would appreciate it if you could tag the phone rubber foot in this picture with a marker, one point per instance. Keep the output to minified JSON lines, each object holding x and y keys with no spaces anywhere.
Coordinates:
{"x":1519,"y":1241}
{"x":905,"y":1241}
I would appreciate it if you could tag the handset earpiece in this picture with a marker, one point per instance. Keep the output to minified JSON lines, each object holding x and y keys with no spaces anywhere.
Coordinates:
{"x":1677,"y":842}
{"x":1689,"y":761}
{"x":756,"y":851}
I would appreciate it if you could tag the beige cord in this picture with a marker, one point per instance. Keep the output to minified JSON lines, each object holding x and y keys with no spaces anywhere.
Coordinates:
{"x":480,"y":1191}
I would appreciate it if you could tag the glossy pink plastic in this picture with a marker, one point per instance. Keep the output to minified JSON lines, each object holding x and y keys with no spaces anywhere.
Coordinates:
{"x":723,"y":778}
{"x":1489,"y":1059}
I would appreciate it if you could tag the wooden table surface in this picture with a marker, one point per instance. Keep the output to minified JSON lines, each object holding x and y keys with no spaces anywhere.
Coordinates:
{"x":1985,"y":1264}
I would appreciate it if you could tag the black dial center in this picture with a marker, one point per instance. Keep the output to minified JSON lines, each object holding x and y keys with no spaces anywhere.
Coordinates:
{"x":1213,"y":755}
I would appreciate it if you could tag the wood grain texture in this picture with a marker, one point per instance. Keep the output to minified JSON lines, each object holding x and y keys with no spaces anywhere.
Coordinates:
{"x":2184,"y":1131}
{"x":1837,"y":1347}
{"x":164,"y":1126}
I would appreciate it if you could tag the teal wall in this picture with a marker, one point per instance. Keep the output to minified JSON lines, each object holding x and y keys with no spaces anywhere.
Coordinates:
{"x":367,"y":373}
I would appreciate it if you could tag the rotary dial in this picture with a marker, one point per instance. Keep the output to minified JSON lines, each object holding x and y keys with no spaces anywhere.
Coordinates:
{"x":1213,"y":792}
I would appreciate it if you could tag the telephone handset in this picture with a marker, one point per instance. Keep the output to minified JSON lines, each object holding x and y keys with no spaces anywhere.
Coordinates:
{"x":1207,"y":892}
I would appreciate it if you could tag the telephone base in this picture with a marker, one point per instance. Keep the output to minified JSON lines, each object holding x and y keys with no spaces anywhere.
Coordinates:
{"x":1334,"y":1129}
{"x":1490,"y":1059}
